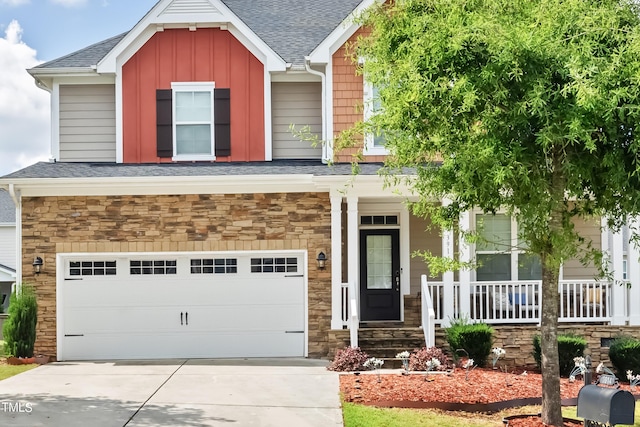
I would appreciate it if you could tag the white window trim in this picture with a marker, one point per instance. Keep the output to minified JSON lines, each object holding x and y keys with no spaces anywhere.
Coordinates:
{"x":193,"y":87}
{"x":369,"y":148}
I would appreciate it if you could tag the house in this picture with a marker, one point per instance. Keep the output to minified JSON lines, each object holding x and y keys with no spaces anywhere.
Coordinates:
{"x":182,"y":218}
{"x":8,"y":252}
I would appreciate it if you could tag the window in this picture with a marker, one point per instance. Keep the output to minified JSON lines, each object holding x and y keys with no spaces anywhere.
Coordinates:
{"x":92,"y":268}
{"x":274,"y":265}
{"x":217,"y":266}
{"x":497,"y":252}
{"x":379,"y":220}
{"x":373,"y":144}
{"x":193,"y":122}
{"x":146,"y":267}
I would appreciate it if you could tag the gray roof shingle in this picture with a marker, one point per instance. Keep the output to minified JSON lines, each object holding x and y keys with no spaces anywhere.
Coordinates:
{"x":44,"y":170}
{"x":7,"y":208}
{"x":292,"y":28}
{"x":84,"y":58}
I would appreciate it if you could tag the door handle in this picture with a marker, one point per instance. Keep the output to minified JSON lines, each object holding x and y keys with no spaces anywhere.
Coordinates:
{"x":397,"y":280}
{"x":186,"y":318}
{"x":181,"y":319}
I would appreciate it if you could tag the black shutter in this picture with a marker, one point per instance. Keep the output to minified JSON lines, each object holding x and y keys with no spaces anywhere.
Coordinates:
{"x":164,"y":122}
{"x":222,"y":117}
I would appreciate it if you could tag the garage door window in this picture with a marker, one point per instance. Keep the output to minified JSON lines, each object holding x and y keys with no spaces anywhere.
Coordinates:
{"x":92,"y":268}
{"x":214,"y":265}
{"x":145,"y":267}
{"x":274,"y":265}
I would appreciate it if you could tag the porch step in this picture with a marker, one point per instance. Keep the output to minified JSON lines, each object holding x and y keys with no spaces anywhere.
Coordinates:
{"x":385,"y":343}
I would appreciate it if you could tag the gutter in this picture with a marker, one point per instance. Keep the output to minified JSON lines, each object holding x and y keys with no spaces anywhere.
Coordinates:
{"x":323,"y":77}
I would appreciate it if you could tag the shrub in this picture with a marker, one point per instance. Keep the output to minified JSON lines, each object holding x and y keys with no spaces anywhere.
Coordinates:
{"x":569,"y":346}
{"x":474,"y":338}
{"x":624,"y":354}
{"x":19,"y":330}
{"x":348,"y":359}
{"x":419,"y":358}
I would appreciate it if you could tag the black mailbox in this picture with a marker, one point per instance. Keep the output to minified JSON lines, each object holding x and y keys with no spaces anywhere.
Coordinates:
{"x":606,"y":405}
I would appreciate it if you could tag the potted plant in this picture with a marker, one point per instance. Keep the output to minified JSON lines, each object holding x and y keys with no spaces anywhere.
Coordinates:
{"x":19,"y":330}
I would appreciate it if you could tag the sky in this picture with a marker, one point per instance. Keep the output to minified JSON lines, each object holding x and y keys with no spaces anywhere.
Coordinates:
{"x":36,"y":31}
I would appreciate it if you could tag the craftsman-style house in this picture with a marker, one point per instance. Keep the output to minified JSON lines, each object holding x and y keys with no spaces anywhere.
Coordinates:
{"x":181,"y":217}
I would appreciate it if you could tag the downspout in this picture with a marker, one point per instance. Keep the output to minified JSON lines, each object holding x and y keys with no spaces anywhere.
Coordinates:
{"x":307,"y":66}
{"x":17,"y":200}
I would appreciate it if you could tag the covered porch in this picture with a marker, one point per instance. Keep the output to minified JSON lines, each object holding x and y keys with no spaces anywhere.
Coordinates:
{"x":358,"y":220}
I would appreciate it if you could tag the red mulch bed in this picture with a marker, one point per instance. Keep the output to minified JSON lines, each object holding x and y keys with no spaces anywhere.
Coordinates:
{"x":485,"y":390}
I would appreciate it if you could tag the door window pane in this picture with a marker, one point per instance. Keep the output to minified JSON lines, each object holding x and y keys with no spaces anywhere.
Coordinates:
{"x":379,"y":258}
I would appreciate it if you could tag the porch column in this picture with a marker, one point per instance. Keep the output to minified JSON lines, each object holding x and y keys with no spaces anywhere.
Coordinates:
{"x":633,"y":273}
{"x":336,"y":261}
{"x":465,"y":274}
{"x":448,"y":297}
{"x":353,"y":262}
{"x":618,"y":290}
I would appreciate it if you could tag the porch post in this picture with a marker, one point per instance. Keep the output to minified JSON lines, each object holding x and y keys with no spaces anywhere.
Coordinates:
{"x":353,"y":261}
{"x":617,"y":289}
{"x":336,"y":261}
{"x":633,"y":273}
{"x":465,"y":274}
{"x":448,"y":297}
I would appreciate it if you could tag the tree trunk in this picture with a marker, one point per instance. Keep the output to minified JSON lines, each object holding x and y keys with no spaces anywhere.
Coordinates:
{"x":551,"y":400}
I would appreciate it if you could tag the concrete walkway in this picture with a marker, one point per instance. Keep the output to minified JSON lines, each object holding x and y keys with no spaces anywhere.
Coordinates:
{"x":195,"y":392}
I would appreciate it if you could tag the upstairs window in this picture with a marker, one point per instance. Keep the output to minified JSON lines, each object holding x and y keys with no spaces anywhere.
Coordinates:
{"x":193,"y":134}
{"x":193,"y":121}
{"x":374,"y":144}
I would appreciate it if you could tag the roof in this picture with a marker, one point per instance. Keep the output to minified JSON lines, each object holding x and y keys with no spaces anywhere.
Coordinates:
{"x":7,"y":269}
{"x":44,"y":170}
{"x":292,"y":28}
{"x":7,"y":208}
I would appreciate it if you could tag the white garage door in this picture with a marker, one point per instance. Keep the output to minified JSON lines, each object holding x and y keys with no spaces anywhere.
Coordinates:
{"x":181,"y":306}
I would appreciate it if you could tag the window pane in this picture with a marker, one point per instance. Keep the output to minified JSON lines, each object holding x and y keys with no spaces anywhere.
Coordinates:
{"x":379,"y":262}
{"x":495,"y":231}
{"x":193,"y":139}
{"x":494,"y":267}
{"x":529,"y":267}
{"x":193,"y":106}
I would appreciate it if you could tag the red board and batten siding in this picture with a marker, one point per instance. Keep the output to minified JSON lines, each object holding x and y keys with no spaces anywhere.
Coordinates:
{"x":205,"y":55}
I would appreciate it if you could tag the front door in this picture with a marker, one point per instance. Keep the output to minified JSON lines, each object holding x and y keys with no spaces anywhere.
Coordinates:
{"x":379,"y":275}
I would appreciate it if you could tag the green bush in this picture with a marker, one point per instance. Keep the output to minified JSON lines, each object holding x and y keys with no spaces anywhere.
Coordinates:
{"x":569,"y":346}
{"x":624,"y":354}
{"x":19,"y":330}
{"x":474,"y":338}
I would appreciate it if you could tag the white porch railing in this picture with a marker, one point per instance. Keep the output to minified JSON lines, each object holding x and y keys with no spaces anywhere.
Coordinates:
{"x":354,"y":321}
{"x":519,"y":301}
{"x":428,"y":314}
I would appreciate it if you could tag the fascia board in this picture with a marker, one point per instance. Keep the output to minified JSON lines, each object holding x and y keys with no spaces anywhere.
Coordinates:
{"x":155,"y":20}
{"x":322,"y":53}
{"x":6,"y":276}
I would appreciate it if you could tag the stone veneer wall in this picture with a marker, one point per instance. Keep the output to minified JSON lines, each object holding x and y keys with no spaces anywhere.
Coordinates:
{"x":169,"y":223}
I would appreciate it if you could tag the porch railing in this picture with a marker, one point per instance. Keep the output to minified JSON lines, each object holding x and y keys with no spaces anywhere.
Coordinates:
{"x":428,"y":314}
{"x":354,"y":320}
{"x":520,"y":301}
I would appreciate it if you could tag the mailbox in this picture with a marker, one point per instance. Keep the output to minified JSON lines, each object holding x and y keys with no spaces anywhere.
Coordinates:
{"x":606,"y":405}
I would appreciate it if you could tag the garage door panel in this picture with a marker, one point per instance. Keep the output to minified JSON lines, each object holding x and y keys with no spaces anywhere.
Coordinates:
{"x":128,"y":316}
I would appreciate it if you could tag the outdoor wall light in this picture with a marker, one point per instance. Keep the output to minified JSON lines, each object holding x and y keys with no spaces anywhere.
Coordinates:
{"x":322,"y":260}
{"x":37,"y":265}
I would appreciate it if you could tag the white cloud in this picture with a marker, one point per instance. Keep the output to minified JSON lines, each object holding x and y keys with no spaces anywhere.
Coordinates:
{"x":15,"y":3}
{"x":24,"y":108}
{"x":69,"y":3}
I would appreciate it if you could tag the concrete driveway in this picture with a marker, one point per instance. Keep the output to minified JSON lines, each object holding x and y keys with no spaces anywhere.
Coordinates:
{"x":194,"y":392}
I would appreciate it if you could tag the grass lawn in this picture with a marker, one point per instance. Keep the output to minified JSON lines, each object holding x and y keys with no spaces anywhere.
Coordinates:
{"x":368,"y":416}
{"x":7,"y":371}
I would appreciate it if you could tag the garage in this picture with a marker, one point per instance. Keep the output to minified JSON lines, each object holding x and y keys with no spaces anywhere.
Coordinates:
{"x":181,"y":305}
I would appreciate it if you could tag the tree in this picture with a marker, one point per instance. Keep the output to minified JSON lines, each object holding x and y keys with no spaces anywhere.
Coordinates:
{"x":528,"y":106}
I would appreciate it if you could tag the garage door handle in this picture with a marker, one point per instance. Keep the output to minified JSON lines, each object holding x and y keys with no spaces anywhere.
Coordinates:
{"x":186,"y":318}
{"x":294,"y":332}
{"x":296,"y":275}
{"x":181,"y":314}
